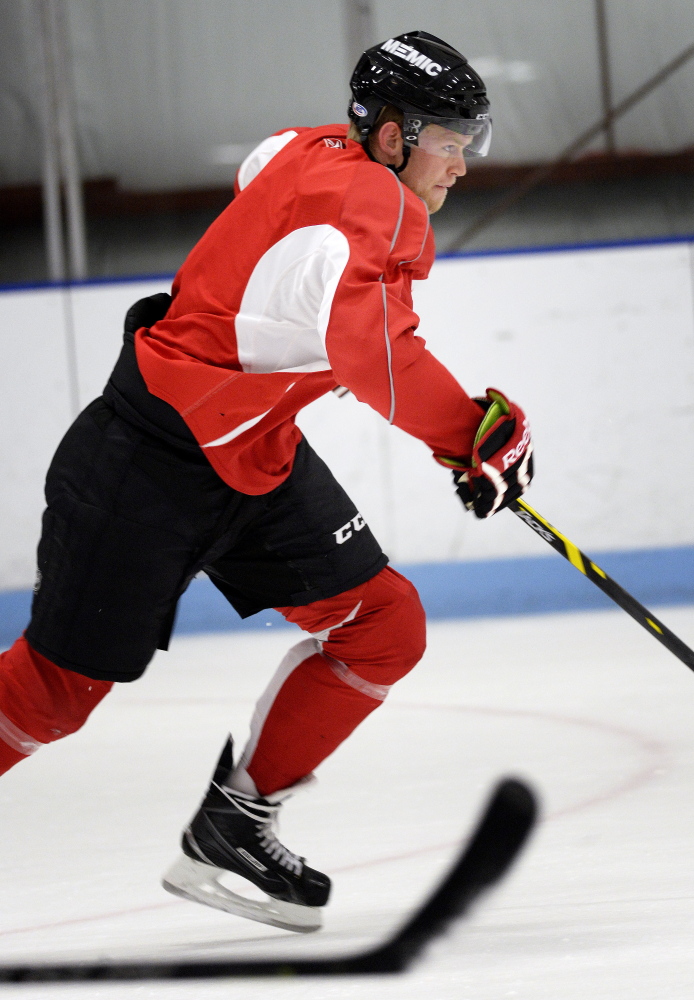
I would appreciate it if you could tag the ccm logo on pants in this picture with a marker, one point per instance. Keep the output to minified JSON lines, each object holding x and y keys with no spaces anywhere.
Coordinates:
{"x":347,"y":530}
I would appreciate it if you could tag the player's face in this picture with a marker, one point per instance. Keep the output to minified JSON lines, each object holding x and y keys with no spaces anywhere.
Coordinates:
{"x":435,"y":164}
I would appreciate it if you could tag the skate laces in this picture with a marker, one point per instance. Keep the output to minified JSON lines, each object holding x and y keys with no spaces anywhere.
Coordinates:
{"x":272,"y":846}
{"x":265,"y":815}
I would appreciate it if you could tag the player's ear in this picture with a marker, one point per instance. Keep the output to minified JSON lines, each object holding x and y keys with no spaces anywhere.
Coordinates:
{"x":389,"y":139}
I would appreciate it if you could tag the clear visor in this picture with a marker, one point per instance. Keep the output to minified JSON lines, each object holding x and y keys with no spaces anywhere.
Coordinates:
{"x":448,"y":137}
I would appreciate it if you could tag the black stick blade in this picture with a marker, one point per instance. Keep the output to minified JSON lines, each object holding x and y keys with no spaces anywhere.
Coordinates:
{"x":493,"y":847}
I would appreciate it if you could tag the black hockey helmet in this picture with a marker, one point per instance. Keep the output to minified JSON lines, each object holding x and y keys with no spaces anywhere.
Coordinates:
{"x":429,"y":81}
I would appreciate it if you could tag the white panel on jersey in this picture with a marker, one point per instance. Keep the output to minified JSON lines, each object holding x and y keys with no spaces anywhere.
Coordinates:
{"x":261,"y":156}
{"x":237,"y":431}
{"x":285,"y":309}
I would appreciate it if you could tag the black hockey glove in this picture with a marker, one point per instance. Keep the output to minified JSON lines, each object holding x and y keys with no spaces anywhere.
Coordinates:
{"x":146,"y":312}
{"x":501,"y":465}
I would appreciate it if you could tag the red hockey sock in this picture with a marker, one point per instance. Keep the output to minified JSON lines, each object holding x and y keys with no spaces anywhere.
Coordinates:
{"x":40,"y":702}
{"x":365,"y":640}
{"x":301,"y":723}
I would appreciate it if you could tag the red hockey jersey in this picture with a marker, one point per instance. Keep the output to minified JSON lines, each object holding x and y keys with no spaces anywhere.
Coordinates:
{"x":302,"y":283}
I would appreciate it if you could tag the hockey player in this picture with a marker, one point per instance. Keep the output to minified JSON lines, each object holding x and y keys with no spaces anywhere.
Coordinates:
{"x":192,"y":460}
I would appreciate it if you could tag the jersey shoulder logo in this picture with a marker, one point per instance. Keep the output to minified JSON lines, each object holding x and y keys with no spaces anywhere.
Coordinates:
{"x":334,"y":143}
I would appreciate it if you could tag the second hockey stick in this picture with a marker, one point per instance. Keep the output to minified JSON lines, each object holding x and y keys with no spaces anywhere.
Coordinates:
{"x":565,"y":547}
{"x":494,"y":845}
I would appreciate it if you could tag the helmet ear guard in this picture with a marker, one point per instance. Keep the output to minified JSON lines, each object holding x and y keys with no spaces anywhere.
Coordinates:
{"x":364,"y":114}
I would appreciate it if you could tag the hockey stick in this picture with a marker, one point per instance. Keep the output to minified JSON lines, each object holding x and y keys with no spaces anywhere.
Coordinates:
{"x":599,"y":577}
{"x":495,"y":843}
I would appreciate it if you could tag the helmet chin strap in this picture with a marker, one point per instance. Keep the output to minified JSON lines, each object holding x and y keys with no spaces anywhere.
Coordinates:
{"x":396,"y":170}
{"x":405,"y":160}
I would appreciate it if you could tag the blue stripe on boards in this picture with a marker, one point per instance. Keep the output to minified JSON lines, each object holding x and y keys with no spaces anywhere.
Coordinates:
{"x":646,"y":241}
{"x":549,"y":583}
{"x":47,"y":286}
{"x":14,"y":614}
{"x":454,"y":590}
{"x":652,"y":241}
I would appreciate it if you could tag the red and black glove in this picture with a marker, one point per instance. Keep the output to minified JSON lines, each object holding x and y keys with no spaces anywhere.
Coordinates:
{"x":501,"y":465}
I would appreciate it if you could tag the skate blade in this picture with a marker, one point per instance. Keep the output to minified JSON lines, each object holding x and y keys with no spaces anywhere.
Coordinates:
{"x":200,"y":883}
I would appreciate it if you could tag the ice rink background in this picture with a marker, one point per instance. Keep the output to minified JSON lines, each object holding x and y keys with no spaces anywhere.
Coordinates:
{"x":586,"y":706}
{"x":597,"y":344}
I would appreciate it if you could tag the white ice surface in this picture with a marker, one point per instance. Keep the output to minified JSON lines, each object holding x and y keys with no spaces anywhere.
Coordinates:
{"x":589,"y":708}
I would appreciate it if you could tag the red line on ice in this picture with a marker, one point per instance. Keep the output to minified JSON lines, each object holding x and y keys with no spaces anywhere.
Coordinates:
{"x":655,"y":750}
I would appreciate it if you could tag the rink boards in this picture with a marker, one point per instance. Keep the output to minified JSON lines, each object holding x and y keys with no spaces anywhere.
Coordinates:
{"x":597,"y":344}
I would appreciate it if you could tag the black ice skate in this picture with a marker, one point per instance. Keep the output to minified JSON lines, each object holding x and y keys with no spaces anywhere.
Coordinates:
{"x":234,"y":832}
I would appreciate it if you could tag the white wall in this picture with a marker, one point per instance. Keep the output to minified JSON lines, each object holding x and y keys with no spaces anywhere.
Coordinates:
{"x":597,"y":345}
{"x":36,"y":402}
